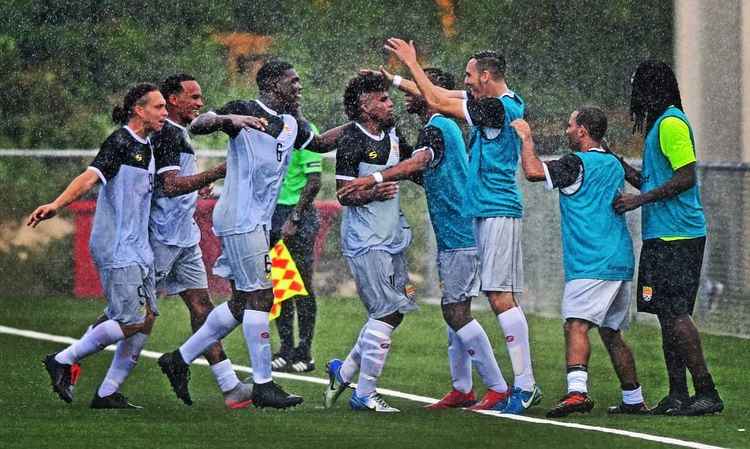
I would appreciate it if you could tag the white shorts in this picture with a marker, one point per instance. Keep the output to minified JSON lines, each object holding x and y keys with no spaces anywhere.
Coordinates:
{"x":244,"y":260}
{"x":500,"y":256}
{"x":459,"y":275}
{"x":381,"y":279}
{"x":178,"y":269}
{"x":603,"y":303}
{"x":129,"y":290}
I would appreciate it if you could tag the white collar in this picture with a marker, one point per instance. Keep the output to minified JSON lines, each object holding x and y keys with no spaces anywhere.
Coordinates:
{"x":177,"y":125}
{"x":136,"y":136}
{"x":598,"y":150}
{"x":267,"y":109}
{"x":370,"y":135}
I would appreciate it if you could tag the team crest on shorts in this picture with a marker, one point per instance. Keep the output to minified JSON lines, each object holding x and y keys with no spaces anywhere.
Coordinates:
{"x":647,"y":293}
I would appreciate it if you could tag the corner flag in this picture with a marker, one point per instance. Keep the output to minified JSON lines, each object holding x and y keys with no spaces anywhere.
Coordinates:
{"x":285,"y":277}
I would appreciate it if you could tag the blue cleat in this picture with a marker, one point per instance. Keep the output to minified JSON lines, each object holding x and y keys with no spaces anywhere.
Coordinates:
{"x":373,"y":402}
{"x":336,"y":384}
{"x":521,"y":400}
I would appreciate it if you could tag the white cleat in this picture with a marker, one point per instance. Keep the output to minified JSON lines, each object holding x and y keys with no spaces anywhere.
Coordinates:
{"x":374,"y":402}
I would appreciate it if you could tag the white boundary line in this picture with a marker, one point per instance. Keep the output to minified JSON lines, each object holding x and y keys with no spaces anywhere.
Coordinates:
{"x":411,"y":397}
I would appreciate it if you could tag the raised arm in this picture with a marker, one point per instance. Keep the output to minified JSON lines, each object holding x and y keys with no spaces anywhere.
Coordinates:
{"x":210,"y":122}
{"x":81,"y":185}
{"x":175,"y":185}
{"x":436,"y":98}
{"x":409,"y":86}
{"x":326,"y":142}
{"x":533,"y":168}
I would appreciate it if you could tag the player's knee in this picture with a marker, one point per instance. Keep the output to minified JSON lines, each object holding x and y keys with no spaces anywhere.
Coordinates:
{"x":456,"y":315}
{"x":610,"y":337}
{"x":236,"y":307}
{"x":576,"y":326}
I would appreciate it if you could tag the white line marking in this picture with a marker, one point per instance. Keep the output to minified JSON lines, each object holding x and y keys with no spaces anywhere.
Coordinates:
{"x":397,"y":394}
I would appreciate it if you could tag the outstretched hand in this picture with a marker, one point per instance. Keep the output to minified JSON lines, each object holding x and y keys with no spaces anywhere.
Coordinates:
{"x":388,"y":76}
{"x":403,"y":50}
{"x":41,"y":213}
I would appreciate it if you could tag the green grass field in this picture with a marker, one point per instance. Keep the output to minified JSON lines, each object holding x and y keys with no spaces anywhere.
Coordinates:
{"x":33,"y":417}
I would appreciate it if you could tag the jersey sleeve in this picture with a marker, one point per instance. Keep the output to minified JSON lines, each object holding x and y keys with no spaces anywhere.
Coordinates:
{"x":563,"y":172}
{"x":486,"y":112}
{"x":305,"y":134}
{"x":167,"y":146}
{"x":107,"y":161}
{"x":348,"y":157}
{"x":311,"y":162}
{"x":431,"y":139}
{"x":238,"y":107}
{"x":675,"y":142}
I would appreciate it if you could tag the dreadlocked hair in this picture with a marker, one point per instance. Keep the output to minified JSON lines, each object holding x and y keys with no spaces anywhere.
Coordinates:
{"x":654,"y":89}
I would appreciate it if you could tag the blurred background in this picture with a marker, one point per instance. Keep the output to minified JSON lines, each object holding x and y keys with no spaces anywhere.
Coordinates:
{"x":64,"y":65}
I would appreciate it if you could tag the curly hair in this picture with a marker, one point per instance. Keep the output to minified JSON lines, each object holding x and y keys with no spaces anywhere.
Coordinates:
{"x":359,"y":85}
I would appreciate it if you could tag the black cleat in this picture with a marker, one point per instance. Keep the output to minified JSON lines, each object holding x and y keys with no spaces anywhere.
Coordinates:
{"x":115,"y":400}
{"x":60,"y":375}
{"x":629,"y":409}
{"x":572,"y":402}
{"x":668,"y":404}
{"x":271,"y":395}
{"x":700,"y":404}
{"x":178,"y":373}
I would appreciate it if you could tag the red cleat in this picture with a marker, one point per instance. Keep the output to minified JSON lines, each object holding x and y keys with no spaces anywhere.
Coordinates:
{"x":454,"y":399}
{"x":492,"y":400}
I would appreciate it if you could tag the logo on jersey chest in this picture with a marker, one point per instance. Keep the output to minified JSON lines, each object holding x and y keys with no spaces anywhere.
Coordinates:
{"x":138,"y":157}
{"x":647,"y":294}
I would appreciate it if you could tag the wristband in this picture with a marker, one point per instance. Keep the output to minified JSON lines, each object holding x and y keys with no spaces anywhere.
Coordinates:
{"x":397,"y":80}
{"x":378,"y":177}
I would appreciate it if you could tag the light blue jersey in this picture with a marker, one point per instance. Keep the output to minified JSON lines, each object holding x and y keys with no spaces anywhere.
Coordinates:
{"x":492,"y":190}
{"x":119,"y":236}
{"x":681,"y":215}
{"x":595,"y":239}
{"x":172,"y":220}
{"x":445,"y":181}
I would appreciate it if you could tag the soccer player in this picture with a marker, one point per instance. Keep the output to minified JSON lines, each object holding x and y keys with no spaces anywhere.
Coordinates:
{"x":597,"y":256}
{"x":674,"y":234}
{"x":119,"y":245}
{"x":174,"y":234}
{"x":440,"y":158}
{"x":296,"y":221}
{"x":493,"y":199}
{"x":262,"y":134}
{"x":374,"y":236}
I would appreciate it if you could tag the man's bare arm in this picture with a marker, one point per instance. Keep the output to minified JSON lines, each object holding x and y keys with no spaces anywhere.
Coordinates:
{"x":683,"y":179}
{"x":403,"y":170}
{"x":81,"y":185}
{"x":231,"y":124}
{"x":326,"y":142}
{"x":175,"y":185}
{"x":533,"y":167}
{"x":381,"y":192}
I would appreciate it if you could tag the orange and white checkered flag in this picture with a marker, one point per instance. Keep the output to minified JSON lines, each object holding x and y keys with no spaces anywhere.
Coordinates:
{"x":285,"y":278}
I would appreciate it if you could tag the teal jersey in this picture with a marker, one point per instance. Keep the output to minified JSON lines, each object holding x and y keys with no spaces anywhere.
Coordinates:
{"x":595,"y":239}
{"x":679,"y":216}
{"x":445,"y":183}
{"x":494,"y":153}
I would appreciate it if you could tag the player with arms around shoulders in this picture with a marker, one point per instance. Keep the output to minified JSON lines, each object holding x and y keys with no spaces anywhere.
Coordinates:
{"x":174,"y":234}
{"x":493,"y":198}
{"x":440,"y":158}
{"x":119,"y":245}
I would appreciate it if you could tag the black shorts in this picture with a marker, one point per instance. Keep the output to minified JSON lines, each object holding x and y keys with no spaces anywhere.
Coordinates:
{"x":669,"y":275}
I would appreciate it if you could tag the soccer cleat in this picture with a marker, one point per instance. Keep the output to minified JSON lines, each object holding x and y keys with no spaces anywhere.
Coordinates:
{"x":115,"y":400}
{"x":303,"y":365}
{"x":280,"y":361}
{"x":271,"y":395}
{"x":454,"y":399}
{"x":698,"y":405}
{"x":570,"y":403}
{"x":629,"y":409}
{"x":336,"y":385}
{"x":492,"y":400}
{"x":61,"y":377}
{"x":667,"y":404}
{"x":178,"y":373}
{"x":372,"y":402}
{"x":239,"y":397}
{"x":521,"y":400}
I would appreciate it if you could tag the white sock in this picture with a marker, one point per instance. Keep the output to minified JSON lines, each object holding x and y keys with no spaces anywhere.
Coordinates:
{"x":632,"y":397}
{"x":478,"y":347}
{"x":578,"y":381}
{"x":94,"y":340}
{"x":125,"y":359}
{"x":375,"y":344}
{"x":352,"y":361}
{"x":258,"y":340}
{"x":459,"y":362}
{"x":219,"y":323}
{"x":516,"y":330}
{"x":225,"y":376}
